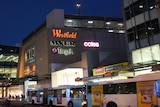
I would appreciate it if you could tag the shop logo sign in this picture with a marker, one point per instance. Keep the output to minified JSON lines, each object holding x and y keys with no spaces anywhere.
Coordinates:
{"x":59,"y":34}
{"x":91,"y":44}
{"x":63,"y":43}
{"x":61,"y":51}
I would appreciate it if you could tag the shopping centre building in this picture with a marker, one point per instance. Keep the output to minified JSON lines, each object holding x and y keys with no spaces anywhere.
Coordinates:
{"x":68,"y":47}
{"x":65,"y":47}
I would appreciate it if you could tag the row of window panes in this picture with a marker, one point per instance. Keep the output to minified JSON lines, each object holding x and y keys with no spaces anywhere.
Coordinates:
{"x":74,"y":93}
{"x":111,"y":25}
{"x":144,"y":30}
{"x":138,"y":7}
{"x":122,"y":88}
{"x":10,"y":58}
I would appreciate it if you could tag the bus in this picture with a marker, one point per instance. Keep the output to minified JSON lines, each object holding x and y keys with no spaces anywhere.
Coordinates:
{"x":139,"y":91}
{"x":39,"y":95}
{"x":70,"y":96}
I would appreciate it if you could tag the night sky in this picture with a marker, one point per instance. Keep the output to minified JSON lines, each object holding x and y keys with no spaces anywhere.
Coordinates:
{"x":18,"y":18}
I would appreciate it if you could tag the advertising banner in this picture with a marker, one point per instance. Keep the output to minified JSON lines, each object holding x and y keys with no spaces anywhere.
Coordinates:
{"x":59,"y":96}
{"x":146,"y":95}
{"x":97,"y":95}
{"x":110,"y":68}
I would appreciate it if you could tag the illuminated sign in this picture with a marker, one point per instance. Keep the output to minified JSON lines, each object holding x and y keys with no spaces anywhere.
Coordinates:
{"x":108,"y":74}
{"x":116,"y":67}
{"x":59,"y":34}
{"x":99,"y":71}
{"x":61,"y":51}
{"x":63,"y":43}
{"x":91,"y":44}
{"x":111,"y":68}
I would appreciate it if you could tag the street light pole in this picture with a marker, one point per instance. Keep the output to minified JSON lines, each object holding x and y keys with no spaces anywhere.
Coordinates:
{"x":78,"y":6}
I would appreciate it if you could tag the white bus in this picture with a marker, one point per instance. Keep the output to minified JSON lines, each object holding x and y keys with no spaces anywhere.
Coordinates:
{"x":39,"y":95}
{"x":70,"y":96}
{"x":140,"y":91}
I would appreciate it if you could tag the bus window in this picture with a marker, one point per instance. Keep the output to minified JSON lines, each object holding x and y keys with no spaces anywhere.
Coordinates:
{"x":121,"y":88}
{"x":34,"y":93}
{"x":157,"y":85}
{"x":71,"y":93}
{"x":89,"y":89}
{"x":64,"y":93}
{"x":76,"y":93}
{"x":110,"y":89}
{"x":127,"y":88}
{"x":50,"y":92}
{"x":55,"y":93}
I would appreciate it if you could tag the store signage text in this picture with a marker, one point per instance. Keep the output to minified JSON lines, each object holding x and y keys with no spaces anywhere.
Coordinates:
{"x":100,"y":70}
{"x":91,"y":44}
{"x":61,"y":51}
{"x":108,"y":74}
{"x":63,"y":43}
{"x":59,"y":34}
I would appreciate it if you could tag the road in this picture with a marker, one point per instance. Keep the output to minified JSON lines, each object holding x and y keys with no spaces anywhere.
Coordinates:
{"x":23,"y":104}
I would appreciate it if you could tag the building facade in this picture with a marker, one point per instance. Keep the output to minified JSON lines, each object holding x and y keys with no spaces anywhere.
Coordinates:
{"x":9,"y":57}
{"x":142,"y":20}
{"x":68,"y":46}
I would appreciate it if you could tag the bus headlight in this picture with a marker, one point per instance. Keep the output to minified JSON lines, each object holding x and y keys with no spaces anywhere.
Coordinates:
{"x":84,"y":103}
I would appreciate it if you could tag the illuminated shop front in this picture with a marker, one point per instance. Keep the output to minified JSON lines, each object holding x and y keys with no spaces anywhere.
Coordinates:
{"x":9,"y":57}
{"x":108,"y":73}
{"x":59,"y":48}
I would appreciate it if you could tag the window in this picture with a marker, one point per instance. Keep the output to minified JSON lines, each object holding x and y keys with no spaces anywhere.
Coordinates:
{"x":146,"y":54}
{"x":30,"y":54}
{"x":76,"y":92}
{"x":131,"y":34}
{"x":121,"y":88}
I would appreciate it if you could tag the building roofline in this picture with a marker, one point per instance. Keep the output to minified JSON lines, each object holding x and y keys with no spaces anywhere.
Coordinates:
{"x":73,"y":16}
{"x":34,"y":31}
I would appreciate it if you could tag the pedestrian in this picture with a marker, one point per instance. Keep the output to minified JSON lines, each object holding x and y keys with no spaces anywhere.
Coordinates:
{"x":6,"y":103}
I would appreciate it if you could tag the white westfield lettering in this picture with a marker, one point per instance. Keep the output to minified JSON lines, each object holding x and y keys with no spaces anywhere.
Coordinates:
{"x":63,"y":43}
{"x":62,"y":51}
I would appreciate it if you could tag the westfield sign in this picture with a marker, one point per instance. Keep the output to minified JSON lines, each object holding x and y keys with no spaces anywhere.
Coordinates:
{"x":59,"y":34}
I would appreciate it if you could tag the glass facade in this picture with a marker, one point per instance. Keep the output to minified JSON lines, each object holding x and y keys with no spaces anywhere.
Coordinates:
{"x":142,"y":22}
{"x":142,"y":29}
{"x":9,"y":57}
{"x":8,"y":63}
{"x":113,"y":25}
{"x":30,"y":67}
{"x":136,"y":7}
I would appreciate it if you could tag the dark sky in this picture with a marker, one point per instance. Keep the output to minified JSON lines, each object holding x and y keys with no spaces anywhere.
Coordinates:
{"x":18,"y":18}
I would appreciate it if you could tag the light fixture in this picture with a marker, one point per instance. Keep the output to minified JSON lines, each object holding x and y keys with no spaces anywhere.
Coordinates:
{"x":90,"y":21}
{"x":108,"y":23}
{"x":140,"y":6}
{"x":120,"y":24}
{"x":151,"y":7}
{"x":121,"y":31}
{"x":78,"y":6}
{"x":110,"y":30}
{"x":69,"y":20}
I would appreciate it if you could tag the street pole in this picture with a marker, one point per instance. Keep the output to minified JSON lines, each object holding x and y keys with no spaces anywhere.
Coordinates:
{"x":78,"y":6}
